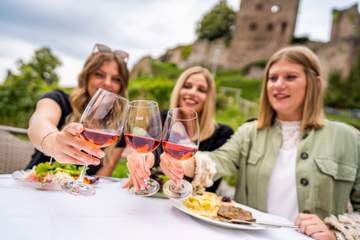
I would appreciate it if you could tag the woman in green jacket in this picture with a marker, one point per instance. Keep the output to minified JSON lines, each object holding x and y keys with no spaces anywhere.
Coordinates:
{"x":291,"y":162}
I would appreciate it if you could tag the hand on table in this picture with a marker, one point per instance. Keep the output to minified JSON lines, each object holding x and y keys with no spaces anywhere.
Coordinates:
{"x":314,"y":227}
{"x":138,"y":173}
{"x":171,"y":168}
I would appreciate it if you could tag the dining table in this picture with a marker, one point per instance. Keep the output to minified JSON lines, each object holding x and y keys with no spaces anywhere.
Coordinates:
{"x":27,"y":213}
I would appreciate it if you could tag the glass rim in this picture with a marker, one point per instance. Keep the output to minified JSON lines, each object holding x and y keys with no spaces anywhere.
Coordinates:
{"x":152,"y":104}
{"x":112,"y":93}
{"x":170,"y":114}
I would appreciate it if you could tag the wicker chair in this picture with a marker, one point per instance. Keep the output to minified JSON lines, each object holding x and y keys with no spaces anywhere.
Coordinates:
{"x":14,"y":153}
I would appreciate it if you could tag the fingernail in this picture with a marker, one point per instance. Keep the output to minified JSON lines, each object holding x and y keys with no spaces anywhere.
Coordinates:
{"x":100,"y":154}
{"x":79,"y":128}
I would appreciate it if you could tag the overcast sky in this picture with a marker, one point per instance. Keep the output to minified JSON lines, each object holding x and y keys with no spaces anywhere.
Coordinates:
{"x":147,"y":27}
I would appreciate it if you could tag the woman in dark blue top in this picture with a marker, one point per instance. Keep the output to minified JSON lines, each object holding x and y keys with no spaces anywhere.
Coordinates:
{"x":53,"y":127}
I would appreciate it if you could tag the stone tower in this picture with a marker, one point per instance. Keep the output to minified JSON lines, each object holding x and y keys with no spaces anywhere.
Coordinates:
{"x":346,"y":23}
{"x":262,"y":27}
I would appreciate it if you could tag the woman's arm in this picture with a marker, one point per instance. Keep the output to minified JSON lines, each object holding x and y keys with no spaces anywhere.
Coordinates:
{"x":43,"y":122}
{"x":209,"y":166}
{"x":62,"y":145}
{"x":348,"y":224}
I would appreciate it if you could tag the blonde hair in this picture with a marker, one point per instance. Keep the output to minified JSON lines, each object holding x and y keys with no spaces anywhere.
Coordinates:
{"x":312,"y":112}
{"x":80,"y":96}
{"x":207,"y":115}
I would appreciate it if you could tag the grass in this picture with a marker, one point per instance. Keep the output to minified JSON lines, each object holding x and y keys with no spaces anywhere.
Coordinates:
{"x":341,"y":118}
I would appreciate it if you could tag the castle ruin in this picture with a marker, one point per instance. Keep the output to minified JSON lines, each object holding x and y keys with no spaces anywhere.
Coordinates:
{"x":264,"y":26}
{"x":261,"y":28}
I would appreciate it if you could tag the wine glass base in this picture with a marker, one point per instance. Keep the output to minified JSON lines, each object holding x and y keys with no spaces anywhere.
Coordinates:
{"x":78,"y":188}
{"x":151,"y":188}
{"x":177,"y":192}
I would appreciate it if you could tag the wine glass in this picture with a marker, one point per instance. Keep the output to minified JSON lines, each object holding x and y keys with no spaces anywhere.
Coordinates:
{"x":103,"y":121}
{"x":180,"y":140}
{"x":143,"y":132}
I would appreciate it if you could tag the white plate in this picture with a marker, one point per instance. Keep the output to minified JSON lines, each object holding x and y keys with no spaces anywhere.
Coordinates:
{"x":258,"y":215}
{"x":20,"y":177}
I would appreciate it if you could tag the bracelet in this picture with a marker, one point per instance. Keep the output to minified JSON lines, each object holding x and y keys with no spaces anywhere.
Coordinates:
{"x":339,"y":235}
{"x":43,"y":140}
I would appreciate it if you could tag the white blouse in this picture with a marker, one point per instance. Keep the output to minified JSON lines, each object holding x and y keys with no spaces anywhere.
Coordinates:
{"x":282,"y":195}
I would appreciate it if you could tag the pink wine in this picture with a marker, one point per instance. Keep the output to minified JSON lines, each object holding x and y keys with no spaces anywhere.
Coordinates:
{"x":142,"y":144}
{"x":98,"y":138}
{"x":179,"y":152}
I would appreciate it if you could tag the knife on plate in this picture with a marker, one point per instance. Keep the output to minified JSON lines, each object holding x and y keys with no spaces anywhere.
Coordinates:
{"x":267,"y":224}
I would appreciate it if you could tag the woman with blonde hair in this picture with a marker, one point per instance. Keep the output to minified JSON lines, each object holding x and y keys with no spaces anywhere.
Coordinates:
{"x":292,"y":162}
{"x":196,"y":89}
{"x":54,"y":124}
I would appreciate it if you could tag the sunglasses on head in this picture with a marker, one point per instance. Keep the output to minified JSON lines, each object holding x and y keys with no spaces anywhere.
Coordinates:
{"x":99,"y":47}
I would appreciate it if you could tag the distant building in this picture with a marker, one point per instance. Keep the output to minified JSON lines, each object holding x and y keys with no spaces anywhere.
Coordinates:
{"x":264,"y":26}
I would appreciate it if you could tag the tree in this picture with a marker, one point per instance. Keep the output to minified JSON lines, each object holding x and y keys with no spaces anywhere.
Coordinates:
{"x":21,"y":90}
{"x":217,"y":23}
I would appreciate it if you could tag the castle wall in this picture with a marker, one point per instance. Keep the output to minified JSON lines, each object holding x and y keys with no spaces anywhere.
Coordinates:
{"x":336,"y":56}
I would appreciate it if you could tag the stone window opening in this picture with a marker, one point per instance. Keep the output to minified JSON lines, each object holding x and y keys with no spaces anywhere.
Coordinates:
{"x":252,"y":26}
{"x":259,"y":6}
{"x":283,"y":27}
{"x":270,"y":27}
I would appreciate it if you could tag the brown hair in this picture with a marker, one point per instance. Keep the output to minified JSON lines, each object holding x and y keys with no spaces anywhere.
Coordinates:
{"x":80,"y":96}
{"x":207,"y":116}
{"x":312,"y":114}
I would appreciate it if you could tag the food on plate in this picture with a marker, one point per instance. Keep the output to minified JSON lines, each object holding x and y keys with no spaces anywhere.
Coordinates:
{"x":232,"y":212}
{"x":56,"y":173}
{"x":206,"y":204}
{"x":216,"y":207}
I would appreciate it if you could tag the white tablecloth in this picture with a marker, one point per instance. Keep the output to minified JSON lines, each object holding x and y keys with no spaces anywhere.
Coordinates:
{"x":113,"y":213}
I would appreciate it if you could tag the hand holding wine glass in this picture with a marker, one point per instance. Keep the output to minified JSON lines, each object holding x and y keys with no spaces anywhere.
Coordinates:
{"x":64,"y":146}
{"x":102,"y":123}
{"x":143,"y":132}
{"x":180,"y":142}
{"x":138,"y":175}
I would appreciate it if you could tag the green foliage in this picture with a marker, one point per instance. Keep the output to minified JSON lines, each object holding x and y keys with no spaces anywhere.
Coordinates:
{"x":336,"y":14}
{"x":258,"y":64}
{"x":344,"y":93}
{"x":186,"y":51}
{"x":217,"y":23}
{"x":158,"y":89}
{"x":346,"y":118}
{"x":165,"y":70}
{"x":21,"y":90}
{"x":121,"y":170}
{"x":250,"y":88}
{"x":232,"y":116}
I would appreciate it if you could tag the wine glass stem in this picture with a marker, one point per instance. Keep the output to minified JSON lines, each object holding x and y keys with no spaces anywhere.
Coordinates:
{"x":82,"y":174}
{"x":144,"y":166}
{"x":176,"y":186}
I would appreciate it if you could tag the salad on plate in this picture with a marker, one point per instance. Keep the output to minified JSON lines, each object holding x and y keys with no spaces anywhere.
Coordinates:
{"x":51,"y":176}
